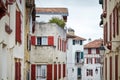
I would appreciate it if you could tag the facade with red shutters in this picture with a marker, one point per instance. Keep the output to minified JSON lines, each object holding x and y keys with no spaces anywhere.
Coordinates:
{"x":111,"y":28}
{"x":93,"y":60}
{"x":48,"y":52}
{"x":12,"y":21}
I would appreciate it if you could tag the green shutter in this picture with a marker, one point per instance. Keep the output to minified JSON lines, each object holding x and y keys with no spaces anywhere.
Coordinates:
{"x":79,"y":71}
{"x":73,"y":42}
{"x":80,"y":42}
{"x":82,"y":55}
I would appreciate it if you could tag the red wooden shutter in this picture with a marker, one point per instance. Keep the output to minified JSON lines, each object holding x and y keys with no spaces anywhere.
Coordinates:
{"x":110,"y":24}
{"x":49,"y":72}
{"x":55,"y":71}
{"x":105,"y":68}
{"x":33,"y":40}
{"x":18,"y":26}
{"x":105,"y":33}
{"x":97,"y":51}
{"x":91,"y":61}
{"x":91,"y":72}
{"x":114,"y":23}
{"x":50,"y":40}
{"x":110,"y":68}
{"x":89,"y":50}
{"x":16,"y":70}
{"x":19,"y":70}
{"x":116,"y":67}
{"x":60,"y":43}
{"x":33,"y":72}
{"x":59,"y":71}
{"x":64,"y":70}
{"x":95,"y":60}
{"x":117,"y":21}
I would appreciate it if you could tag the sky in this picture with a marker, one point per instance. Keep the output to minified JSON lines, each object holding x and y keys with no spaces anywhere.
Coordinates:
{"x":84,"y":16}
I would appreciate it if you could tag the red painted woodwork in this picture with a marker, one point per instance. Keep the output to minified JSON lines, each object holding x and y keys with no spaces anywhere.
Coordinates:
{"x":55,"y":71}
{"x":95,"y":60}
{"x":110,"y":24}
{"x":105,"y":33}
{"x":58,"y":43}
{"x":59,"y":71}
{"x":64,"y":70}
{"x":110,"y":68}
{"x":33,"y":72}
{"x":16,"y":71}
{"x":116,"y":67}
{"x":18,"y":26}
{"x":33,"y":40}
{"x":89,"y":50}
{"x":86,"y":60}
{"x":49,"y":72}
{"x":50,"y":40}
{"x":105,"y":68}
{"x":97,"y":51}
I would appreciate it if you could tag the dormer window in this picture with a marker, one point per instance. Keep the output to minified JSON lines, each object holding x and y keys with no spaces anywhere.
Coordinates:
{"x":77,"y":42}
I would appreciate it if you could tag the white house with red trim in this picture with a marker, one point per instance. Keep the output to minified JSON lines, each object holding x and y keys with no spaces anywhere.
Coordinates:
{"x":75,"y":55}
{"x":93,"y":60}
{"x":12,"y":22}
{"x":48,"y":51}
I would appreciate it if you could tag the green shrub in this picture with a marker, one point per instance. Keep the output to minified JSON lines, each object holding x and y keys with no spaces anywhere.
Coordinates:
{"x":58,"y":21}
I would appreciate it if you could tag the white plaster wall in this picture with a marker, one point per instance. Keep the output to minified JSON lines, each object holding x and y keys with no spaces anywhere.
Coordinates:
{"x":48,"y":54}
{"x":71,"y":67}
{"x":46,"y":18}
{"x":92,"y":66}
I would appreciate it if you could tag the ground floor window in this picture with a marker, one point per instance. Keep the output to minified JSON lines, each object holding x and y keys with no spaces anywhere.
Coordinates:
{"x":41,"y":72}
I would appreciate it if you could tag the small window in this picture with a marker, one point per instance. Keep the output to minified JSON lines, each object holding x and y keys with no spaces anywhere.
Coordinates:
{"x":38,"y":40}
{"x":73,"y":42}
{"x":89,"y":72}
{"x":81,"y":42}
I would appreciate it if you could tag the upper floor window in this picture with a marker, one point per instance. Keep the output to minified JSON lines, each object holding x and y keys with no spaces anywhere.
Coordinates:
{"x":42,"y":40}
{"x":78,"y":57}
{"x":77,"y":42}
{"x":89,"y":50}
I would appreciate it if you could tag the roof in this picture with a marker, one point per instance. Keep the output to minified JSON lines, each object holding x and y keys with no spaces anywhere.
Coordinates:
{"x":94,"y":44}
{"x":74,"y":37}
{"x":60,"y":11}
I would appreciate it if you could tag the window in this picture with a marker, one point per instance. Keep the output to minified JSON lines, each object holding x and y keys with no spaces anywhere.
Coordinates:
{"x":89,"y":50}
{"x":41,"y":72}
{"x":73,"y":42}
{"x":44,"y":40}
{"x":79,"y":73}
{"x":78,"y":57}
{"x":77,"y":42}
{"x":97,"y":60}
{"x":89,"y":72}
{"x":38,"y":40}
{"x":89,"y":61}
{"x":97,"y":51}
{"x":81,"y":42}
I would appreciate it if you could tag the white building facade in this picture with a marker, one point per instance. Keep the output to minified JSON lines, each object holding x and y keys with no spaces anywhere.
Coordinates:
{"x":75,"y":56}
{"x":93,"y":68}
{"x":48,"y":49}
{"x":12,"y":39}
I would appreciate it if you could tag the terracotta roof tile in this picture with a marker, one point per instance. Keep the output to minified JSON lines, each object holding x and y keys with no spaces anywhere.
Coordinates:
{"x":94,"y":44}
{"x":62,"y":11}
{"x":74,"y":37}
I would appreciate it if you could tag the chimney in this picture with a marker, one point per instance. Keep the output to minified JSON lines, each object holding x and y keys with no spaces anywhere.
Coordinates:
{"x":71,"y":31}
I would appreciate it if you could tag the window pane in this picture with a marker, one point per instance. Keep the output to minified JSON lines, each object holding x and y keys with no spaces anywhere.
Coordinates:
{"x":80,"y":42}
{"x":38,"y":40}
{"x":73,"y":42}
{"x":44,"y":41}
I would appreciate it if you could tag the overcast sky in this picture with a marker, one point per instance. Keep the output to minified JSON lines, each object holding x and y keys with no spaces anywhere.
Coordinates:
{"x":84,"y":16}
